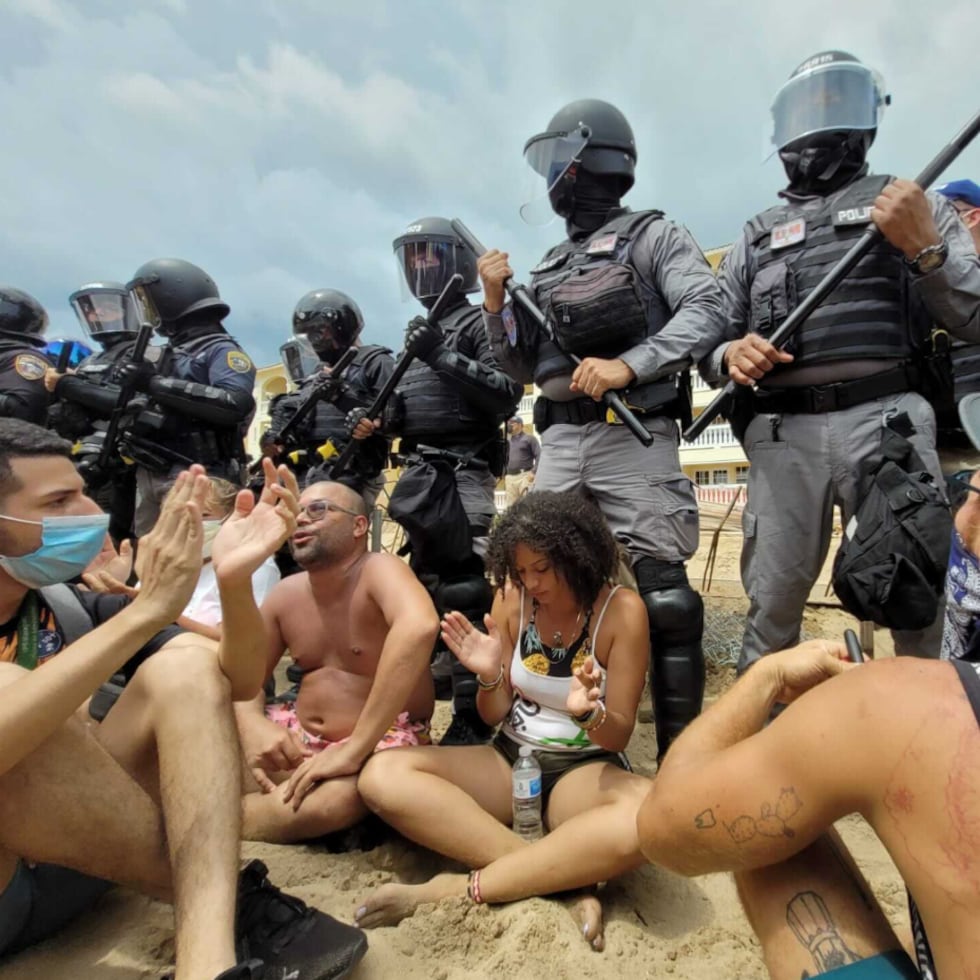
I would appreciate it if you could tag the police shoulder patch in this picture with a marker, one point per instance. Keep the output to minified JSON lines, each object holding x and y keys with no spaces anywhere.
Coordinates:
{"x":239,"y":361}
{"x":30,"y":366}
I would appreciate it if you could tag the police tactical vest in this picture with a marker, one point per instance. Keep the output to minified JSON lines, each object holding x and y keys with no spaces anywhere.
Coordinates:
{"x":434,"y":410}
{"x":871,"y":314}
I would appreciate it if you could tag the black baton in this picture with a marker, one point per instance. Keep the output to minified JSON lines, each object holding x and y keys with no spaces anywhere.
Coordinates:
{"x":521,"y":295}
{"x":830,"y":281}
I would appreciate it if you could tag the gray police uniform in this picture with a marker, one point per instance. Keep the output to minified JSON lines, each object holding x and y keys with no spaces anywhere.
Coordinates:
{"x":649,"y":503}
{"x":820,"y":418}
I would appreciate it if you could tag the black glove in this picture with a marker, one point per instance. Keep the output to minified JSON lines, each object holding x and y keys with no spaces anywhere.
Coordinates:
{"x":421,"y":338}
{"x":134,"y":376}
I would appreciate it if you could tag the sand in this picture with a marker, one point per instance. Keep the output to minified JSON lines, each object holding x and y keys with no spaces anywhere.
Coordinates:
{"x":657,"y":924}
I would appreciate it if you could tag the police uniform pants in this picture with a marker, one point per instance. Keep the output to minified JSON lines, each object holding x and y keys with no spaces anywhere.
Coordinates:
{"x":802,"y":465}
{"x":642,"y":492}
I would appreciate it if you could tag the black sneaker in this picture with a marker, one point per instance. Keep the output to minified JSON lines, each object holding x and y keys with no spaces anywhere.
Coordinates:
{"x":294,"y":941}
{"x":252,"y":970}
{"x":467,"y":728}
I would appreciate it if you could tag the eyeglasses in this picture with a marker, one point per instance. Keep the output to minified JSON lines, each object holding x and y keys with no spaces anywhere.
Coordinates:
{"x":316,"y":510}
{"x":959,"y":488}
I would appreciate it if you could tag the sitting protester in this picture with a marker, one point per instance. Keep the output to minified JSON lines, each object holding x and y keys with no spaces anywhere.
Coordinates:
{"x":135,"y":800}
{"x":360,"y":626}
{"x":563,"y":667}
{"x":203,"y":613}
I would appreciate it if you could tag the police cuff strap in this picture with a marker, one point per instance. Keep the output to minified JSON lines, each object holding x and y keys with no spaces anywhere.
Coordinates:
{"x":492,"y":685}
{"x":593,"y":719}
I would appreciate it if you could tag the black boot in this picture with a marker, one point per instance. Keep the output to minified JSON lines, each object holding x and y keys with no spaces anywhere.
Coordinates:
{"x":291,"y":939}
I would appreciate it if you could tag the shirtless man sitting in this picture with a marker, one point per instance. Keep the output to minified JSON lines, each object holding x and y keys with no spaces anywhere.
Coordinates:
{"x":896,"y":741}
{"x":361,"y":627}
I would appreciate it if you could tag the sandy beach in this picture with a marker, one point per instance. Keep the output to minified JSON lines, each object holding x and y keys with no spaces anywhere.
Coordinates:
{"x":657,"y":924}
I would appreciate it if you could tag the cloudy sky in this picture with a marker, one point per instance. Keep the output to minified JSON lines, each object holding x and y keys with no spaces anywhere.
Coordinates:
{"x":283,"y":144}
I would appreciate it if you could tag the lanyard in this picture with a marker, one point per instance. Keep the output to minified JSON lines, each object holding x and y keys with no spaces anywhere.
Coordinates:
{"x":27,"y":630}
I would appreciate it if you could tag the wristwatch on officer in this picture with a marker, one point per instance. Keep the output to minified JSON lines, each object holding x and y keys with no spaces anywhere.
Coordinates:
{"x":929,"y":259}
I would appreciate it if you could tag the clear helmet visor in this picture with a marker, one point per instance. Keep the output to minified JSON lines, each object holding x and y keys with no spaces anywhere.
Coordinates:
{"x":299,"y":359}
{"x":548,"y":158}
{"x":425,"y":267}
{"x":105,"y":312}
{"x":837,"y":96}
{"x":146,"y":309}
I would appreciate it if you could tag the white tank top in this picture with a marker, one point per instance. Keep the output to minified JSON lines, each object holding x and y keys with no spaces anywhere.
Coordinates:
{"x":537,"y":714}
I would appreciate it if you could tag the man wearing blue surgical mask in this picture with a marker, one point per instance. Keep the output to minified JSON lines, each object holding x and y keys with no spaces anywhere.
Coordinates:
{"x":135,"y":800}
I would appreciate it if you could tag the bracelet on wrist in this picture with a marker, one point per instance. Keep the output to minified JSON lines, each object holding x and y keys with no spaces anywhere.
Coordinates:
{"x":491,"y":685}
{"x":590,"y":721}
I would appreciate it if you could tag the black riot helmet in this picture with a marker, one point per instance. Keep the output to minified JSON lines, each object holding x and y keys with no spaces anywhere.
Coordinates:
{"x":21,"y":316}
{"x":171,"y":293}
{"x":824,"y":120}
{"x":299,"y":358}
{"x":429,"y":253}
{"x":588,"y":135}
{"x":105,"y":310}
{"x":330,"y":320}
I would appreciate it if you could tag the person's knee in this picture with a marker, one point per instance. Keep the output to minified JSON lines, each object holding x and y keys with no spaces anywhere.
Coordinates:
{"x":380,"y":778}
{"x":184,"y":675}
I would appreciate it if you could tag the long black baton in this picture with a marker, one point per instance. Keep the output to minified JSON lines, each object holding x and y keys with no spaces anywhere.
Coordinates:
{"x":830,"y":281}
{"x":520,"y":295}
{"x":126,"y":393}
{"x":448,"y":295}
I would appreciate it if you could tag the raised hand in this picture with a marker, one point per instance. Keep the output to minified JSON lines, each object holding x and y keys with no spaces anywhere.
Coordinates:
{"x":170,"y":555}
{"x":479,"y":652}
{"x":117,"y":565}
{"x":254,"y":531}
{"x":585,"y":688}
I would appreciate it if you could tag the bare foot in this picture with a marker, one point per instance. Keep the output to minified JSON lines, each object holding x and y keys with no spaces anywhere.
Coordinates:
{"x":586,"y":910}
{"x":392,"y":903}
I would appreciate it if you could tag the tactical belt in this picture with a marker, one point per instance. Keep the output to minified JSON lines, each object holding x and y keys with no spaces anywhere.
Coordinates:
{"x":582,"y":411}
{"x":817,"y":399}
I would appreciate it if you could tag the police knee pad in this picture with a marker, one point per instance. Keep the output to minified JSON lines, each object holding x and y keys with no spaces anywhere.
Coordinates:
{"x":470,"y":594}
{"x":676,"y":614}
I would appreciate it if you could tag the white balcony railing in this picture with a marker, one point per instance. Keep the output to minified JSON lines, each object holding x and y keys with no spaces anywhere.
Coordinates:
{"x":717,"y":435}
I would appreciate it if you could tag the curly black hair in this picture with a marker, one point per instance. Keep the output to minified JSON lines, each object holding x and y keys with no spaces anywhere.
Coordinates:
{"x":568,"y":528}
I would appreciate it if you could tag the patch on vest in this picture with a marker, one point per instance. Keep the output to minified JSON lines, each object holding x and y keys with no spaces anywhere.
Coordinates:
{"x":239,"y":361}
{"x":546,"y":265}
{"x":787,"y":234}
{"x":603,"y":246}
{"x":852,"y":216}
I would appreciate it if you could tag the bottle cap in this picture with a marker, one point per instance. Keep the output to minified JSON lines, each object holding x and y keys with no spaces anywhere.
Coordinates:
{"x":525,"y":751}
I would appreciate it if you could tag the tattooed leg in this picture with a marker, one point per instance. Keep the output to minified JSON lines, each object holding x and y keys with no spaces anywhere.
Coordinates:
{"x":814,"y":913}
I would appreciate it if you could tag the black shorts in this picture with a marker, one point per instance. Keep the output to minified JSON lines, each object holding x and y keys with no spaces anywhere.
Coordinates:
{"x":554,"y":765}
{"x":40,"y":900}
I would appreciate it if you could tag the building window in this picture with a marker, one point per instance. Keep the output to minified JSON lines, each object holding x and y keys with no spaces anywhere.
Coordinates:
{"x":701,"y":477}
{"x":741,"y":474}
{"x":719,"y":476}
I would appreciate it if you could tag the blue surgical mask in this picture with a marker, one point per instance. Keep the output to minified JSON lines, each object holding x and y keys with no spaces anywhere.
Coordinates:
{"x":68,"y":545}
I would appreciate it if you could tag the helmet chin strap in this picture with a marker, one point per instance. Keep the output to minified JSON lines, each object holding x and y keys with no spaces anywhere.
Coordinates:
{"x":826,"y":163}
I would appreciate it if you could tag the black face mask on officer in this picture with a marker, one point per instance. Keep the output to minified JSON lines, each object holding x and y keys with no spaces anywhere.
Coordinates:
{"x":826,"y":162}
{"x":584,"y":200}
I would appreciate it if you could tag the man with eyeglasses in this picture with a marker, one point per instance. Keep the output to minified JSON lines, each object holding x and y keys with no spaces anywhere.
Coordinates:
{"x":361,"y":628}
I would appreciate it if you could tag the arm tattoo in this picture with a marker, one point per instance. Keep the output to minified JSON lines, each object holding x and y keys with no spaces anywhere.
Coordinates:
{"x":773,"y":819}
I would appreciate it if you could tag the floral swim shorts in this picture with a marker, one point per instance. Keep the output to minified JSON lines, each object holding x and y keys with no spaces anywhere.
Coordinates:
{"x":403,"y":732}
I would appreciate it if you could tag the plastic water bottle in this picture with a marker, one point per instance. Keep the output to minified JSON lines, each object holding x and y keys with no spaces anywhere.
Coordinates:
{"x":527,"y":795}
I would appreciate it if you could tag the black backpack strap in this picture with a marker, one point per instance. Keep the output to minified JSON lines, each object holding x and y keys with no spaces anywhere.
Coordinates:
{"x":70,"y":614}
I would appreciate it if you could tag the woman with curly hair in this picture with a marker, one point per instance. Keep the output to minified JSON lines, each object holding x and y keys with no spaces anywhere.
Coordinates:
{"x":562,"y":665}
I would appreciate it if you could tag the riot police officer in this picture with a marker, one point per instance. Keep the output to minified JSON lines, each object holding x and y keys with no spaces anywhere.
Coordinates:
{"x":453,"y":400}
{"x":858,"y":362}
{"x":650,"y":307}
{"x":329,"y":323}
{"x":202,"y":387}
{"x":81,"y":409}
{"x":22,"y":367}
